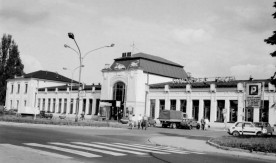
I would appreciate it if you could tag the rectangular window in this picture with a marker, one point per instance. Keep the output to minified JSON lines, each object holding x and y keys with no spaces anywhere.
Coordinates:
{"x":18,"y":88}
{"x":11,"y":89}
{"x":65,"y":106}
{"x":84,"y":105}
{"x":54,"y":105}
{"x":49,"y":105}
{"x":26,"y":88}
{"x":161,"y":105}
{"x":11,"y":104}
{"x":195,"y":109}
{"x":263,"y":117}
{"x":152,"y":108}
{"x":59,"y":105}
{"x":17,"y":104}
{"x":43,"y":104}
{"x":207,"y":106}
{"x":90,"y":107}
{"x":220,"y":107}
{"x":183,"y":105}
{"x":97,"y":106}
{"x":25,"y":102}
{"x":71,"y":106}
{"x":38,"y":103}
{"x":233,"y":111}
{"x":173,"y":105}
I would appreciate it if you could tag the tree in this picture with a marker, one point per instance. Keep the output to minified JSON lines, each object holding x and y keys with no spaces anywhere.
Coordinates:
{"x":272,"y":40}
{"x":10,"y":64}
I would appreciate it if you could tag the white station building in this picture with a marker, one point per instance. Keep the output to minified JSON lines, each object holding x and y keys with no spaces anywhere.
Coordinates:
{"x":145,"y":84}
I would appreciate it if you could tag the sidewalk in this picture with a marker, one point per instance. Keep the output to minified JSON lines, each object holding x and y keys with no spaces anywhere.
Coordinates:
{"x":202,"y":146}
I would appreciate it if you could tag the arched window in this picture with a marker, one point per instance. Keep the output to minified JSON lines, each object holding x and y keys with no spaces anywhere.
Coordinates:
{"x":119,"y":91}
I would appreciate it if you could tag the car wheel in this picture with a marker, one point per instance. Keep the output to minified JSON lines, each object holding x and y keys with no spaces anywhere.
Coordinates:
{"x":259,"y":134}
{"x":236,"y":133}
{"x":198,"y":127}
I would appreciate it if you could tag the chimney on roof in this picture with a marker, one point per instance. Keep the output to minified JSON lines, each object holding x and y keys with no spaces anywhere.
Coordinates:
{"x":128,"y":54}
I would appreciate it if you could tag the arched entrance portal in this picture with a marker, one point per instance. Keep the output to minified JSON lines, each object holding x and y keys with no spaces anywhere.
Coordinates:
{"x":119,"y":89}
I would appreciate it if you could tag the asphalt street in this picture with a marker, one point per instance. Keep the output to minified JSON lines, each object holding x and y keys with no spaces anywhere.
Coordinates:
{"x":45,"y":143}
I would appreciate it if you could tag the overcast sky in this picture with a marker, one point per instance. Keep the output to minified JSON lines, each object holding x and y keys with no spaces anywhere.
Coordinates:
{"x":209,"y":38}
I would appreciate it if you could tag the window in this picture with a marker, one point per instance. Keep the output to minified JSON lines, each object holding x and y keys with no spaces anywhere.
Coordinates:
{"x":18,"y":88}
{"x":17,"y":104}
{"x":38,"y":103}
{"x":11,"y":104}
{"x":220,"y":107}
{"x":11,"y":88}
{"x":43,"y":104}
{"x":183,"y":104}
{"x":25,"y":102}
{"x":152,"y":108}
{"x":173,"y":104}
{"x":26,"y":88}
{"x":59,"y":105}
{"x":161,"y":105}
{"x":54,"y":105}
{"x":71,"y":106}
{"x":65,"y":106}
{"x":84,"y":105}
{"x":49,"y":104}
{"x":233,"y":110}
{"x":207,"y":106}
{"x":90,"y":107}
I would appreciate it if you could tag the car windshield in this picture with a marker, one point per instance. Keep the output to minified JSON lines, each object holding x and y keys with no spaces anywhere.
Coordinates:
{"x":258,"y":124}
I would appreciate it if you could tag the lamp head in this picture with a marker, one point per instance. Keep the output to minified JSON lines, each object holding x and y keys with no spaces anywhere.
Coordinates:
{"x":66,"y":46}
{"x":112,"y":45}
{"x":71,"y":35}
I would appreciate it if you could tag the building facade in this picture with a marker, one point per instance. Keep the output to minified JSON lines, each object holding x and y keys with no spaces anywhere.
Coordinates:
{"x":143,"y":84}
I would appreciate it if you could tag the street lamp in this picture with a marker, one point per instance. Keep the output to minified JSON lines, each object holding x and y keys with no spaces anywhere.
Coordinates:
{"x":71,"y":36}
{"x":72,"y":74}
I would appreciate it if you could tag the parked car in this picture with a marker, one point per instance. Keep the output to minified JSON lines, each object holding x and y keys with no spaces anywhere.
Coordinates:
{"x":189,"y":123}
{"x":246,"y":128}
{"x":47,"y":115}
{"x":265,"y":125}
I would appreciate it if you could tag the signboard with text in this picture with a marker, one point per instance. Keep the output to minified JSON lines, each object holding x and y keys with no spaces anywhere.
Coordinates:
{"x":253,"y":94}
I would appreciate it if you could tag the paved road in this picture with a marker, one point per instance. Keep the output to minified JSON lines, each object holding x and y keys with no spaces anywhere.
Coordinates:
{"x":33,"y":143}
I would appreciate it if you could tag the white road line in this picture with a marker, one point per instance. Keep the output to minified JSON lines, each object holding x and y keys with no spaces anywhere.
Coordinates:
{"x":171,"y":149}
{"x":153,"y":148}
{"x":120,"y":146}
{"x":28,"y":149}
{"x":85,"y":154}
{"x":110,"y":148}
{"x":89,"y":149}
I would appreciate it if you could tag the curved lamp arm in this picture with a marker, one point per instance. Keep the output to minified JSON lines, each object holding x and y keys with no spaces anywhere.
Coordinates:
{"x":112,"y":45}
{"x":67,"y":46}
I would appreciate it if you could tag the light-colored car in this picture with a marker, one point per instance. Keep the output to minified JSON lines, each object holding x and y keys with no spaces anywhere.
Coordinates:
{"x":246,"y":128}
{"x":266,"y":126}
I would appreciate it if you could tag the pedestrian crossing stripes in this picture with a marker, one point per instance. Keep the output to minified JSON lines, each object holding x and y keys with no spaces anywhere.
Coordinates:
{"x":95,"y":149}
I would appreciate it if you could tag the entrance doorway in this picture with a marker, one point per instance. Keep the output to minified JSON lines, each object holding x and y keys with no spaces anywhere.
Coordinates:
{"x":119,"y":95}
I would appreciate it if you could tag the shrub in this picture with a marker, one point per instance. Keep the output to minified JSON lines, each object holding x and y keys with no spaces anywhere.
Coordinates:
{"x":261,"y":144}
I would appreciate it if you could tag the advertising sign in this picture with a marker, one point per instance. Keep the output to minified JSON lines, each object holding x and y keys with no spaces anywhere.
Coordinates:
{"x":253,"y":94}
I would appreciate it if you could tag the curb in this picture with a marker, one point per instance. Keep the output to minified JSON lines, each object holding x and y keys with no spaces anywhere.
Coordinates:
{"x":239,"y":150}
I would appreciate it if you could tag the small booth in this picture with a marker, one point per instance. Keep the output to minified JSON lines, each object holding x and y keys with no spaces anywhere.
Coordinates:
{"x":111,"y":110}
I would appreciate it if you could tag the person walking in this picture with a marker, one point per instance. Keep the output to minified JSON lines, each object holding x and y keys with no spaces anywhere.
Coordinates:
{"x":130,"y":118}
{"x":145,"y":122}
{"x":206,"y":122}
{"x":202,"y":121}
{"x":139,"y":121}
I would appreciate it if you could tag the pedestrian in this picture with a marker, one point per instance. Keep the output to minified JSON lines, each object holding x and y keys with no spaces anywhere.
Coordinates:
{"x":130,"y":120}
{"x":139,"y":121}
{"x":145,"y":122}
{"x":206,"y":121}
{"x":202,"y":123}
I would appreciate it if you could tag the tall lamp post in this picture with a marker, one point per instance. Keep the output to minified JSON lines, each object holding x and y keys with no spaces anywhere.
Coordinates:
{"x":71,"y":36}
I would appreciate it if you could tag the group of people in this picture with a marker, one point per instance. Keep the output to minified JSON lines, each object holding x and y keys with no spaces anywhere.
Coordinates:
{"x":204,"y":123}
{"x":142,"y":122}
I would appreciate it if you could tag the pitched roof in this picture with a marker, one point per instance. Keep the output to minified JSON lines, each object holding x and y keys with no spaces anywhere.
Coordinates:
{"x":152,"y":65}
{"x":48,"y":75}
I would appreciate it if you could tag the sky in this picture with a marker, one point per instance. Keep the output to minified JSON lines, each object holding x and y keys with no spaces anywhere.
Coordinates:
{"x":215,"y":38}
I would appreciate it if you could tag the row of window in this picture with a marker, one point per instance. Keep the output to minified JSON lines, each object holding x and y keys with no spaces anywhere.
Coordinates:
{"x":220,"y":116}
{"x":17,"y":104}
{"x":18,"y":88}
{"x":57,"y":104}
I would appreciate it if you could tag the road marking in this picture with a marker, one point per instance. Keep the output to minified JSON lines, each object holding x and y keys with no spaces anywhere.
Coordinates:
{"x":154,"y":148}
{"x":85,"y":154}
{"x":35,"y":151}
{"x":120,"y":146}
{"x":110,"y":148}
{"x":89,"y":149}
